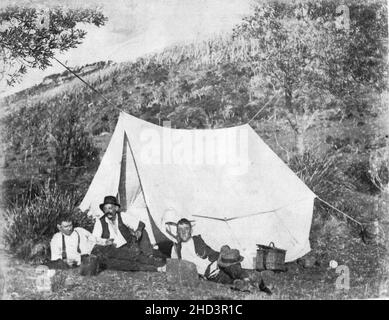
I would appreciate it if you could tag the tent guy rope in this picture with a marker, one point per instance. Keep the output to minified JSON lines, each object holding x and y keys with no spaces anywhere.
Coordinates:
{"x":86,"y":83}
{"x":274,"y":210}
{"x":336,"y":209}
{"x":264,"y":106}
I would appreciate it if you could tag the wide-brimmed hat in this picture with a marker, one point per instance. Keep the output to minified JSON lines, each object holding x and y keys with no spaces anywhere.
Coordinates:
{"x":228,"y":256}
{"x":109,"y":200}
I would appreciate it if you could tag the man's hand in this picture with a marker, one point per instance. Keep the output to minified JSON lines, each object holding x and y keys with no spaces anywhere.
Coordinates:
{"x":138,"y":234}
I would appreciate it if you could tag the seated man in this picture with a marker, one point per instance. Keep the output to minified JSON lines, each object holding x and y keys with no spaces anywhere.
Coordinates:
{"x":222,"y":268}
{"x":194,"y":249}
{"x":122,"y":243}
{"x":69,"y":244}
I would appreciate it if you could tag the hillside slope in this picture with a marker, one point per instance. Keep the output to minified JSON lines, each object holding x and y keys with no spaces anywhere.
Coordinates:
{"x":60,"y":132}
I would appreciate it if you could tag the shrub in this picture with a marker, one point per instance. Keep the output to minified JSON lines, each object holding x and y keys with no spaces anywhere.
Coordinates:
{"x":323,"y":175}
{"x":18,"y":190}
{"x":47,"y":140}
{"x":30,"y":224}
{"x":379,"y":169}
{"x":359,"y":171}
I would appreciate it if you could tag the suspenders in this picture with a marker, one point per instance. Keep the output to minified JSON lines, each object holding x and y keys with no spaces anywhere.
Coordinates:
{"x":64,"y":256}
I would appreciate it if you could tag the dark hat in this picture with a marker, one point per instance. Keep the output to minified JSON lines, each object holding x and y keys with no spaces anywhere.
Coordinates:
{"x":228,"y":256}
{"x":109,"y":200}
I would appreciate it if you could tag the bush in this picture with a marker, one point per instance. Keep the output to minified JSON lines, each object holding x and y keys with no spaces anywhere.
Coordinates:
{"x":323,"y":175}
{"x":47,"y":140}
{"x":31,"y":224}
{"x":18,"y":190}
{"x":359,"y":171}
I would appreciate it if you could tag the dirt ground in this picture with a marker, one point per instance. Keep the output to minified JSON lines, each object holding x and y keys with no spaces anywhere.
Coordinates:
{"x":366,"y":281}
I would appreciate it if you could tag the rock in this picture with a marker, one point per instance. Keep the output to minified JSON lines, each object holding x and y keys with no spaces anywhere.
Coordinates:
{"x":307,"y":261}
{"x":268,"y":277}
{"x":292,"y":267}
{"x":70,"y":283}
{"x":241,"y":285}
{"x":182,"y":272}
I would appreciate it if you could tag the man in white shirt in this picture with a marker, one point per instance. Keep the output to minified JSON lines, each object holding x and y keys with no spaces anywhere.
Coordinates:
{"x":194,"y":249}
{"x":223,"y":267}
{"x":69,"y":244}
{"x":122,"y":241}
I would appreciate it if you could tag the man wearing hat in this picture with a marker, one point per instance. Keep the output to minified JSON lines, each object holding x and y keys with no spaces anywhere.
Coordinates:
{"x":224,"y":267}
{"x":120,"y":229}
{"x":122,"y":242}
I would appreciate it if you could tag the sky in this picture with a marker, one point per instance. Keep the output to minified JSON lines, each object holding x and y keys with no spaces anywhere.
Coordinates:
{"x":138,"y":27}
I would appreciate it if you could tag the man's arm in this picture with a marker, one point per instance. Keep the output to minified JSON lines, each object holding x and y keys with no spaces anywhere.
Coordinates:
{"x":56,"y":248}
{"x":87,"y":240}
{"x":204,"y":250}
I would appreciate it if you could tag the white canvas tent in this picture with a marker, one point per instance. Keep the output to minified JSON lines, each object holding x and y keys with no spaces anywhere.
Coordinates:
{"x":234,"y":187}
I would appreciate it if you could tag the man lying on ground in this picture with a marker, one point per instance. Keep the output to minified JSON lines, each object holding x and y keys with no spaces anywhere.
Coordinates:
{"x":122,"y":243}
{"x":69,"y":244}
{"x":223,"y":267}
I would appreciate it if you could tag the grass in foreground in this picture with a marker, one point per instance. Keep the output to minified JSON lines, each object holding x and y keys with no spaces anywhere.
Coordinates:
{"x":367,"y":280}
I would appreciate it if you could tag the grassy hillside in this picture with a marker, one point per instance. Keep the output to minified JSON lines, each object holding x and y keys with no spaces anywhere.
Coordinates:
{"x":56,"y":133}
{"x":209,"y":84}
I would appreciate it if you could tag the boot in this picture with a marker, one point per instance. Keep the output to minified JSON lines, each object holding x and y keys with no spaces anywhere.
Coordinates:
{"x":263,"y":288}
{"x":89,"y":265}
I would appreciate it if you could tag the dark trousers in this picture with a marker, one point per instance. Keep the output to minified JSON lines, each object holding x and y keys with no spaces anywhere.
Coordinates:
{"x":147,"y":249}
{"x":57,"y":264}
{"x":227,"y":275}
{"x":125,"y":258}
{"x":145,"y":244}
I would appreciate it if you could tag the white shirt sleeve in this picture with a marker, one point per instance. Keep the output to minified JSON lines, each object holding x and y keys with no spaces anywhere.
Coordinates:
{"x":87,"y":240}
{"x":56,"y":247}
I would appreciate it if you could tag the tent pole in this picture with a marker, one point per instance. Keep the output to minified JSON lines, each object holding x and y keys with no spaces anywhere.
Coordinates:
{"x":137,"y":173}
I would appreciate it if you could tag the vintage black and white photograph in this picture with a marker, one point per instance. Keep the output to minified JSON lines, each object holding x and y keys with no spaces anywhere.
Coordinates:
{"x":194,"y":150}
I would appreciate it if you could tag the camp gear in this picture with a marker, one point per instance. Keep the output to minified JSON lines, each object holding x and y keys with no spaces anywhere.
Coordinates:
{"x":270,"y":258}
